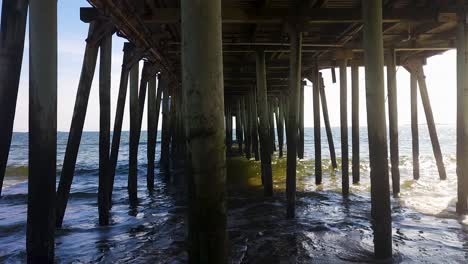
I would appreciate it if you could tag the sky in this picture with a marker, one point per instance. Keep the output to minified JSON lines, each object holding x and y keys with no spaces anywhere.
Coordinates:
{"x":440,"y":77}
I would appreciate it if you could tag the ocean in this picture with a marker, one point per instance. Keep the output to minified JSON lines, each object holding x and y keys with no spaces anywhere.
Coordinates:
{"x":328,"y":228}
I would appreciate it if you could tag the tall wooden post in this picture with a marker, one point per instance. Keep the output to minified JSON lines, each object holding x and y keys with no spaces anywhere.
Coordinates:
{"x":248,"y":126}
{"x":377,"y":131}
{"x":295,"y":62}
{"x":254,"y":123}
{"x":279,"y":126}
{"x":76,"y":128}
{"x":414,"y":125}
{"x":300,"y":150}
{"x":243,"y":125}
{"x":462,"y":112}
{"x":13,"y":26}
{"x":344,"y":127}
{"x":154,"y":103}
{"x":239,"y":136}
{"x":165,"y":128}
{"x":271,"y":119}
{"x":133,"y":136}
{"x":105,"y":64}
{"x":42,"y":131}
{"x":355,"y":120}
{"x":326,"y":120}
{"x":430,"y":121}
{"x":393,"y":121}
{"x":228,"y":120}
{"x":317,"y":129}
{"x":119,"y":112}
{"x":265,"y":148}
{"x":203,"y":87}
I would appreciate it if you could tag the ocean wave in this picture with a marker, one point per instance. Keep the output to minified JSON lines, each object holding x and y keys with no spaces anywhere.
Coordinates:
{"x":17,"y":170}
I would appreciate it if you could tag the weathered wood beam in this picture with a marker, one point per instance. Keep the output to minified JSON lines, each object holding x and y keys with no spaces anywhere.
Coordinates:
{"x":135,"y":31}
{"x":344,"y":127}
{"x":393,"y":121}
{"x":462,"y":112}
{"x":203,"y":88}
{"x":42,"y":131}
{"x":132,"y":183}
{"x":414,"y":124}
{"x":105,"y":64}
{"x":166,"y":123}
{"x":13,"y":27}
{"x":326,"y":120}
{"x":293,"y":118}
{"x":309,"y":15}
{"x":377,"y":131}
{"x":355,"y":122}
{"x":128,"y":53}
{"x":317,"y":128}
{"x":265,"y":146}
{"x":419,"y":71}
{"x":77,"y":123}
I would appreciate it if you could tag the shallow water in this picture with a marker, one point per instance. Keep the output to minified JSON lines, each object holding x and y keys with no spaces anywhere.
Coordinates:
{"x":328,"y":228}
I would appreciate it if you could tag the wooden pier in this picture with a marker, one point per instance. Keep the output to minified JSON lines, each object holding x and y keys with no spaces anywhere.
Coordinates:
{"x":208,"y":62}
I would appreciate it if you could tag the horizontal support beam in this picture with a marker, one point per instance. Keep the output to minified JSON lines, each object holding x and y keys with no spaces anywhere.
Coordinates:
{"x":309,"y":15}
{"x":310,"y":48}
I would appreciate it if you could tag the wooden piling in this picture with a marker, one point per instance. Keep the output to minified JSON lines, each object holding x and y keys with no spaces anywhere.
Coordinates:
{"x":42,"y":131}
{"x":76,"y":128}
{"x":228,"y":119}
{"x":132,"y":185}
{"x":300,"y":149}
{"x":265,"y":145}
{"x":279,"y":126}
{"x":430,"y":121}
{"x":393,"y":121}
{"x":239,"y":136}
{"x":377,"y":131}
{"x":317,"y":129}
{"x":295,"y":61}
{"x":344,"y":127}
{"x":271,"y":119}
{"x":326,"y":120}
{"x":414,"y":124}
{"x":462,"y":107}
{"x":105,"y":64}
{"x":243,"y":128}
{"x":355,"y":121}
{"x":165,"y":129}
{"x":154,"y":102}
{"x":203,"y":88}
{"x":119,"y":112}
{"x":254,"y":123}
{"x":13,"y":28}
{"x":248,"y":127}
